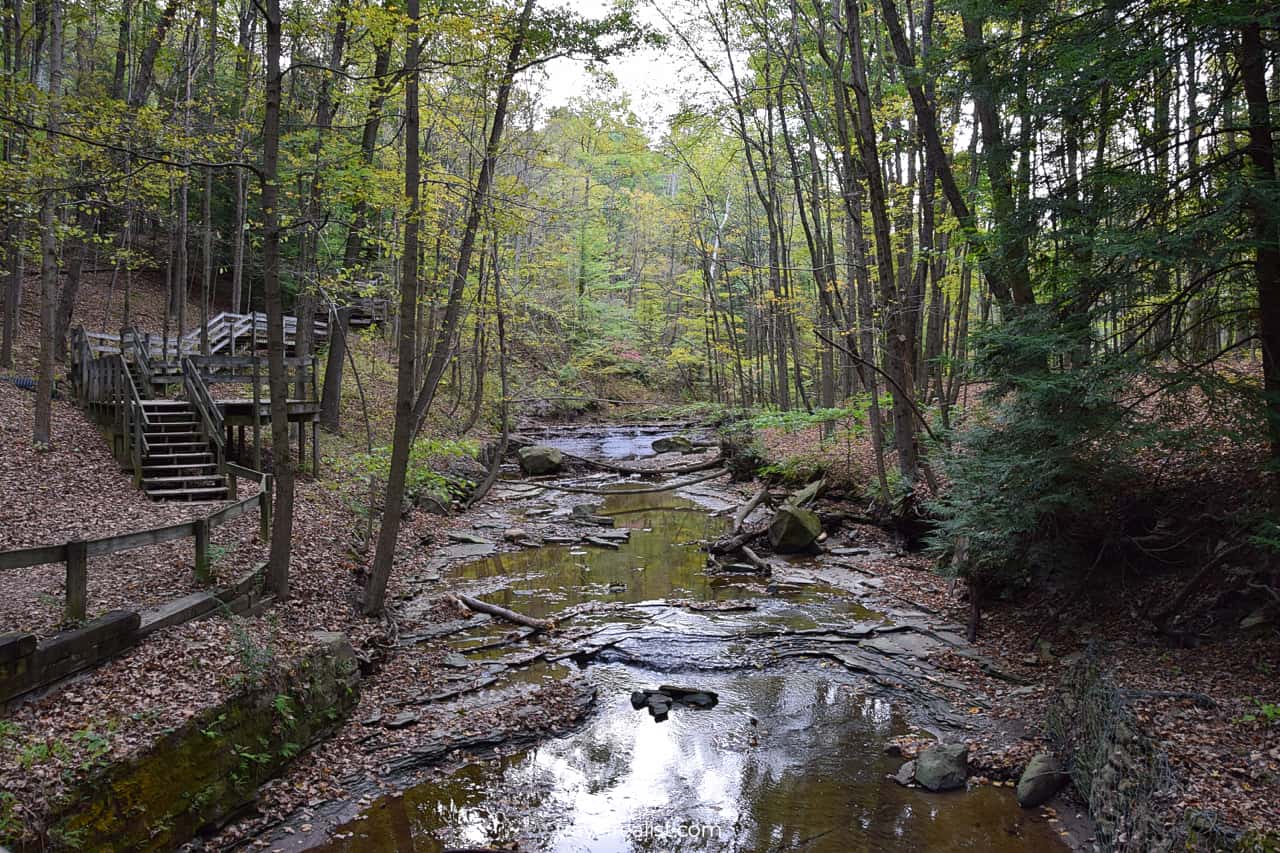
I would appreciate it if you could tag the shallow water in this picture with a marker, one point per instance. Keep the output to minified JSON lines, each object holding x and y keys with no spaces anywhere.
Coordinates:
{"x":791,"y":758}
{"x":625,"y":442}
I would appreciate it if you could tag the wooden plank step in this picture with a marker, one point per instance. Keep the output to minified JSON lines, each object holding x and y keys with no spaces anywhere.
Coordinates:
{"x":171,"y":458}
{"x":190,"y":480}
{"x":209,"y":493}
{"x":166,"y":469}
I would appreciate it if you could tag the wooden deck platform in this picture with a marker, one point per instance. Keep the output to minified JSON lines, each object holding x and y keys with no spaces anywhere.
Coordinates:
{"x":238,"y":411}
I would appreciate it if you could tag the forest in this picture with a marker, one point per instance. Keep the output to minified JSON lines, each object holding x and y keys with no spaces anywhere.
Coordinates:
{"x":959,"y":314}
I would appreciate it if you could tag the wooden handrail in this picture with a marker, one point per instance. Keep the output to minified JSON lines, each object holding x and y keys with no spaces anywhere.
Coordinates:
{"x":132,"y":340}
{"x":211,"y":421}
{"x":242,"y":361}
{"x":135,"y":420}
{"x":75,"y":552}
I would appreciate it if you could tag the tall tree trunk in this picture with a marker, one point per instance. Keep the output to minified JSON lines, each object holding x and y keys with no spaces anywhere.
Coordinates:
{"x":122,"y":50}
{"x":402,"y":435}
{"x":145,"y":71}
{"x":368,"y":141}
{"x":897,"y":352}
{"x":331,"y":400}
{"x":444,"y":342}
{"x":1009,"y":255}
{"x":15,"y":232}
{"x":48,"y":239}
{"x":1004,"y":269}
{"x":309,"y":260}
{"x":86,"y":223}
{"x":278,"y":380}
{"x":1266,"y":220}
{"x":207,"y":267}
{"x":248,"y":24}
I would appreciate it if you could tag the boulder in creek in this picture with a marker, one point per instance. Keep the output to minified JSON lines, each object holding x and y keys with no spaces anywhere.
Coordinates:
{"x":906,"y":774}
{"x":659,"y":706}
{"x":539,"y":459}
{"x":1041,"y":779}
{"x":661,"y":701}
{"x":943,"y":767}
{"x":793,"y":530}
{"x":691,"y":696}
{"x":673,"y":444}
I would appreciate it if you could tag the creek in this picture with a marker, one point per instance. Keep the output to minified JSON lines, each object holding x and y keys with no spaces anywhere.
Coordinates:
{"x":813,"y":679}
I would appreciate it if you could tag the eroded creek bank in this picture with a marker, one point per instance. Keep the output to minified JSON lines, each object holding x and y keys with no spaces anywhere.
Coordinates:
{"x":814,"y":673}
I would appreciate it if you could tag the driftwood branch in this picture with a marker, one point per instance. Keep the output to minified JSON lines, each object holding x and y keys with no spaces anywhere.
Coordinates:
{"x":733,"y":543}
{"x":754,"y":559}
{"x":479,"y":606}
{"x":740,"y":517}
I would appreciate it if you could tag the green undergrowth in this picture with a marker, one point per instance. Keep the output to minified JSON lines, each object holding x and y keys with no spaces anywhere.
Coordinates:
{"x":428,"y":475}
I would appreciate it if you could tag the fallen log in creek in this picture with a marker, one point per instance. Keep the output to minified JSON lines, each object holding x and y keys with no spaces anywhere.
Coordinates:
{"x":740,"y":517}
{"x":478,"y":606}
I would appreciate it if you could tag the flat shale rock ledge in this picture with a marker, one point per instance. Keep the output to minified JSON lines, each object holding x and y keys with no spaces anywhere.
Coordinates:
{"x":199,"y":775}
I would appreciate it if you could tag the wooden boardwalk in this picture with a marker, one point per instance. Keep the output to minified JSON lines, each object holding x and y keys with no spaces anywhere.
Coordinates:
{"x":166,"y":409}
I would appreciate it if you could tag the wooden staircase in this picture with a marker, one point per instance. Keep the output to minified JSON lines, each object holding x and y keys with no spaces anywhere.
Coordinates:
{"x":141,"y":380}
{"x":178,"y":462}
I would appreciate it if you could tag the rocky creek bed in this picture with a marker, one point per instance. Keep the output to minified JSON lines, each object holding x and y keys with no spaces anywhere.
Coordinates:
{"x":821,"y":685}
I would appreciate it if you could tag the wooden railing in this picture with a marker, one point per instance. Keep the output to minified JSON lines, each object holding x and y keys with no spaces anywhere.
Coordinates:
{"x":211,"y":421}
{"x":136,"y":422}
{"x":224,"y":331}
{"x":300,"y":372}
{"x":76,"y":553}
{"x":136,"y":349}
{"x":107,"y":390}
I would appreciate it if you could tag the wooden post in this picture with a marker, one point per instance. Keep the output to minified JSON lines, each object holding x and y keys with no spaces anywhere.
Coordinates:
{"x":77,"y":580}
{"x":232,"y":488}
{"x":257,"y":424}
{"x":264,"y":510}
{"x":315,"y":447}
{"x":202,"y":551}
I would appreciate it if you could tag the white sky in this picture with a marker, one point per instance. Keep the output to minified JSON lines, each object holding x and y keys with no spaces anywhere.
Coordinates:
{"x":651,"y":78}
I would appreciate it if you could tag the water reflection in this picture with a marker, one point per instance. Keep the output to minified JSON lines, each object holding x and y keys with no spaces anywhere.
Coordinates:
{"x":790,"y":759}
{"x":787,"y":761}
